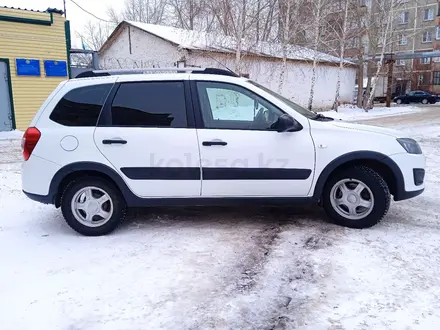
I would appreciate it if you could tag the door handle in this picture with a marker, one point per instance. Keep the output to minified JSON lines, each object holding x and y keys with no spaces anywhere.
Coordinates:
{"x":114,"y":141}
{"x":214,"y":143}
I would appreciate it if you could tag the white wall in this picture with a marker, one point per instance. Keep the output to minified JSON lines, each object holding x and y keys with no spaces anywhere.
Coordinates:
{"x":146,"y":51}
{"x":297,"y":79}
{"x":149,"y":51}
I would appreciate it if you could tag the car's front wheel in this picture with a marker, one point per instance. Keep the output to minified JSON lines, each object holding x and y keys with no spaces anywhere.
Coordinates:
{"x":425,"y":101}
{"x":399,"y":101}
{"x":357,"y":197}
{"x":92,"y":206}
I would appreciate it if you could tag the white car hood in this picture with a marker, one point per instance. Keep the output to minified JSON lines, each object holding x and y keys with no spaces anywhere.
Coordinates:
{"x":366,"y":128}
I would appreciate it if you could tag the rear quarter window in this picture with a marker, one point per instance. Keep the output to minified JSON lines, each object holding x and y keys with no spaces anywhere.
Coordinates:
{"x":81,"y":106}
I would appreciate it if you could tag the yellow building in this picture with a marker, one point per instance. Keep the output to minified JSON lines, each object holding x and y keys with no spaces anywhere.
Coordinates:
{"x":34,"y":59}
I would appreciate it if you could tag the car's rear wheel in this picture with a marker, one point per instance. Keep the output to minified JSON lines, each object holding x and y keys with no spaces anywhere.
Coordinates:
{"x":357,"y":197}
{"x":92,"y":206}
{"x":425,"y":101}
{"x":399,"y":101}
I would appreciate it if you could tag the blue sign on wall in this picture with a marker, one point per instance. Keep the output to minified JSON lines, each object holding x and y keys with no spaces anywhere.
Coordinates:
{"x":26,"y":67}
{"x":55,"y":68}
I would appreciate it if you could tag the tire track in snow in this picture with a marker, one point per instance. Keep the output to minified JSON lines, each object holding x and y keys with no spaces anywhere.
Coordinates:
{"x":271,"y":285}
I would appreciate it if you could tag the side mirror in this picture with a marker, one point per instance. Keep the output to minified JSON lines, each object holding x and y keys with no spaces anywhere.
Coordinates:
{"x":286,"y":123}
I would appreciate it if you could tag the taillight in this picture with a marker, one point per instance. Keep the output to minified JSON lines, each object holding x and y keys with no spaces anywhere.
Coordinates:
{"x":29,"y":141}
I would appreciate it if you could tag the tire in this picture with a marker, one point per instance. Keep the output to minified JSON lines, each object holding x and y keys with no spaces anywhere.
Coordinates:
{"x":376,"y":194}
{"x":425,"y":101}
{"x":399,"y":101}
{"x":81,"y":199}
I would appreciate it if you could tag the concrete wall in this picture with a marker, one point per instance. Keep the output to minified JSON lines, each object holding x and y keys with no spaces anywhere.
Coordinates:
{"x":149,"y":51}
{"x":296,"y":83}
{"x":146,"y":51}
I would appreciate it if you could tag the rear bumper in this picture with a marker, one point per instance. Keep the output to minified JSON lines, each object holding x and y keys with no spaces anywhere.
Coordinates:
{"x":37,"y":174}
{"x":44,"y":199}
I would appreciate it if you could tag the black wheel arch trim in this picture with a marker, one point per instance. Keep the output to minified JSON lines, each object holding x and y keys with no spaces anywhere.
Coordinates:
{"x":88,"y":166}
{"x":400,"y":192}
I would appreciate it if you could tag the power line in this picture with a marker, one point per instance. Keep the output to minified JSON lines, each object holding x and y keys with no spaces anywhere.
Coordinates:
{"x":86,"y":11}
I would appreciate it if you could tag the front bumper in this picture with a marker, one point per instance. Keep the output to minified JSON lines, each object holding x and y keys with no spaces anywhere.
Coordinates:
{"x":403,"y":194}
{"x":412,"y":168}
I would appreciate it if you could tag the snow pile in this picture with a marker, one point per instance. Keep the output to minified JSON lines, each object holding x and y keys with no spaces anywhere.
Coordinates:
{"x":190,"y":39}
{"x":354,"y":113}
{"x":11,"y":135}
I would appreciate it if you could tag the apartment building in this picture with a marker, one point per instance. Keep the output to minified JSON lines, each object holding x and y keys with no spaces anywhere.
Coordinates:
{"x":416,"y":28}
{"x":411,"y":25}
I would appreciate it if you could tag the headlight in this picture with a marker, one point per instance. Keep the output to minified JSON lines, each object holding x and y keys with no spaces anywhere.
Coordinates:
{"x":411,"y":146}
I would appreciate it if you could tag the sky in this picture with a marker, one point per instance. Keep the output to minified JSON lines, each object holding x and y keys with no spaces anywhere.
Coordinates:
{"x":75,"y":15}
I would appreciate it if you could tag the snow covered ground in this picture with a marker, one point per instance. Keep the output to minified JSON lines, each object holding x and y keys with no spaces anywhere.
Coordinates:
{"x":11,"y":135}
{"x":221,"y":268}
{"x":349,"y":112}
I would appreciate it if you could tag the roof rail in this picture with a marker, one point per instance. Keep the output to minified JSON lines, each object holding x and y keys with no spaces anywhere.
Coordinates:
{"x":99,"y":73}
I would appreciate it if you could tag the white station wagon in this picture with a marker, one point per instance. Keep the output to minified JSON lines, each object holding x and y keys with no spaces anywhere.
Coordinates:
{"x":205,"y":137}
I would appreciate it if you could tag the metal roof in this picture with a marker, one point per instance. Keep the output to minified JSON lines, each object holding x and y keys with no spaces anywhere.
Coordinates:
{"x":48,"y":10}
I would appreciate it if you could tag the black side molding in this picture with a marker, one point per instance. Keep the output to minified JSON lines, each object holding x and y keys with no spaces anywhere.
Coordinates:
{"x":215,"y":173}
{"x":240,"y":173}
{"x":136,"y":201}
{"x":162,"y":173}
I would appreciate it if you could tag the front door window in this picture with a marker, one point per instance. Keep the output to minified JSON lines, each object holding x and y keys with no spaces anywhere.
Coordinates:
{"x":229,"y":106}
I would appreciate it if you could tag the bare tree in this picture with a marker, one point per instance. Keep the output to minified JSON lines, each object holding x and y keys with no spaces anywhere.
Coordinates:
{"x":92,"y":37}
{"x":284,"y":36}
{"x":290,"y":30}
{"x":319,"y":12}
{"x":383,"y":36}
{"x":342,"y":33}
{"x":384,"y":13}
{"x":95,"y":34}
{"x":146,"y":11}
{"x":342,"y":41}
{"x":114,"y":16}
{"x":188,"y":14}
{"x":237,"y":19}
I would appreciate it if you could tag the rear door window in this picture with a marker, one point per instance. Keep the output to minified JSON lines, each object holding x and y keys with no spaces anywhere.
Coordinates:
{"x":81,"y":106}
{"x":150,"y":104}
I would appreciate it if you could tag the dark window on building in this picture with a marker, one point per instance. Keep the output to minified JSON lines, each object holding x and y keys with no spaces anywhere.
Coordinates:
{"x":436,"y":78}
{"x":424,"y":79}
{"x":81,"y":106}
{"x":150,"y":104}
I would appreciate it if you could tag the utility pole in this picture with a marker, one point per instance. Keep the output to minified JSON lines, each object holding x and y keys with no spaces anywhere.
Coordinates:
{"x":64,"y":3}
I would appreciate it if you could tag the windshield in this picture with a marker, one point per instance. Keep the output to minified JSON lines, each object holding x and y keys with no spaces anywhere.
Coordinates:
{"x":294,"y":106}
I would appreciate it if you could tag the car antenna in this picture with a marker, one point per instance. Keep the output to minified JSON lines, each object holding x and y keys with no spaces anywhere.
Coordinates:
{"x":222,"y":64}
